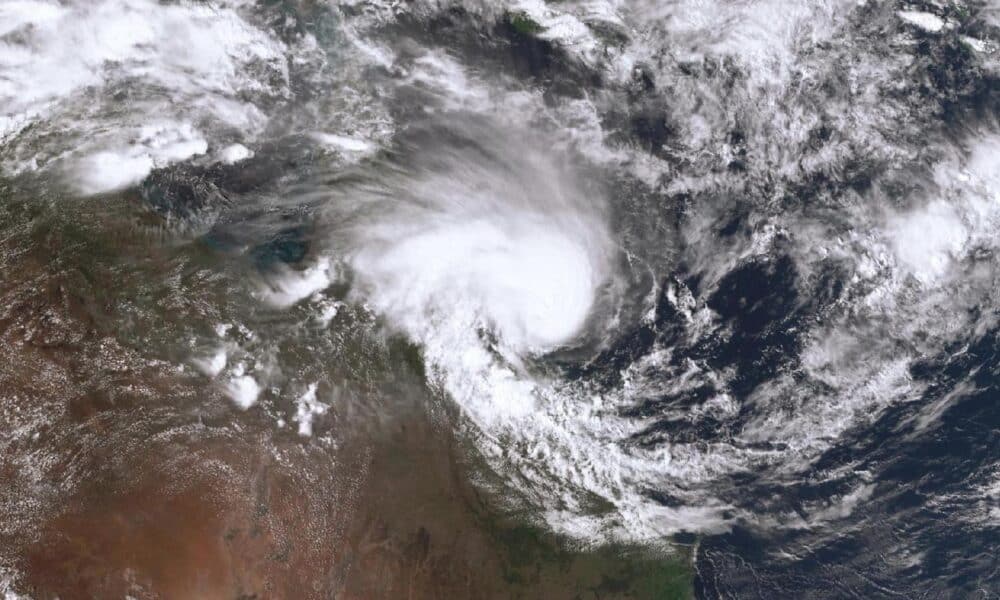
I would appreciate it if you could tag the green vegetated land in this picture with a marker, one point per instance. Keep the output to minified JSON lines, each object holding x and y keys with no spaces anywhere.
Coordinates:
{"x":537,"y":565}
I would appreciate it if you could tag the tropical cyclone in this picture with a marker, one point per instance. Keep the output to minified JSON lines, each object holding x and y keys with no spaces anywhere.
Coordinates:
{"x":684,"y":268}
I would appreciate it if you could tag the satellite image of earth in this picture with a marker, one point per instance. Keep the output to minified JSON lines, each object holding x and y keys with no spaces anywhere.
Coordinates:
{"x":475,"y":299}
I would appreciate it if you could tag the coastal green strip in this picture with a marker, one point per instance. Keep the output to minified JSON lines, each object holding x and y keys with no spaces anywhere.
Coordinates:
{"x":537,"y":564}
{"x":523,"y":24}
